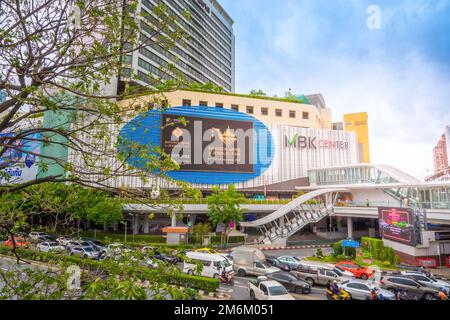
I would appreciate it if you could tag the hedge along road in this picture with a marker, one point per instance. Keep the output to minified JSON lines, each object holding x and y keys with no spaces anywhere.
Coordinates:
{"x":200,"y":283}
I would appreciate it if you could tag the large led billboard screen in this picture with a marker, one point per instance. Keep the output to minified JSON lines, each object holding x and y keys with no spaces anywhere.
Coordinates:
{"x":397,"y":224}
{"x":208,"y":145}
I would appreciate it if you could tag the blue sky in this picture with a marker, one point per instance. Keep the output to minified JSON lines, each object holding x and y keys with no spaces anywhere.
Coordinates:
{"x":400,"y":74}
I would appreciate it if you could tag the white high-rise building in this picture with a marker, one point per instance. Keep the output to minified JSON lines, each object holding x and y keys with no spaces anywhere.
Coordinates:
{"x":208,"y":55}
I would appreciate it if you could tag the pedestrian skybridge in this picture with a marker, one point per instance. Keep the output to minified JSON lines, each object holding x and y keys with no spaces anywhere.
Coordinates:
{"x":307,"y":209}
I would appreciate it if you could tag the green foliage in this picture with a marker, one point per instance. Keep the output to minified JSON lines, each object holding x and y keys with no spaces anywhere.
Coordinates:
{"x":338,"y":249}
{"x":128,"y":268}
{"x":224,"y":207}
{"x":200,"y":230}
{"x":319,"y":253}
{"x":258,"y":93}
{"x":379,"y":251}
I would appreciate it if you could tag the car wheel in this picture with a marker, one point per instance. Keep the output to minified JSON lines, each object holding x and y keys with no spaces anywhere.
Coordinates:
{"x":85,"y":256}
{"x":310,"y":281}
{"x":428,"y":296}
{"x":71,"y":254}
{"x":242,"y":273}
{"x":191,"y":272}
{"x":216,"y":276}
{"x":364,"y":277}
{"x":252,"y":294}
{"x":299,"y":290}
{"x":393,"y":291}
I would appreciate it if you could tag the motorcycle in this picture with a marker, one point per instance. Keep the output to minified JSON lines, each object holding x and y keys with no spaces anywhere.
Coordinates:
{"x":226,"y":279}
{"x":343,"y":295}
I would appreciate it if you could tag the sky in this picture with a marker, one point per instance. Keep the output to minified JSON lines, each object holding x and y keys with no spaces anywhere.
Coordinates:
{"x":398,"y":73}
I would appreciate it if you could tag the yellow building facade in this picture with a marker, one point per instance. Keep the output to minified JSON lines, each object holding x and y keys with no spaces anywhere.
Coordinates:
{"x":358,"y":123}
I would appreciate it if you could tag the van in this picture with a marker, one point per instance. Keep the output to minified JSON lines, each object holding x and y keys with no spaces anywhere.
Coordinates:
{"x":213,"y":264}
{"x":251,"y":261}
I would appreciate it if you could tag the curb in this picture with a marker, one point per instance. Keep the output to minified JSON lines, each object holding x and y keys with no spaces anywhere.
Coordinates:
{"x":291,"y":247}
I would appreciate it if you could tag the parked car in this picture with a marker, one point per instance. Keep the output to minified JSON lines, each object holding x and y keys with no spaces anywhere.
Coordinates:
{"x":44,"y":238}
{"x":50,"y":247}
{"x":293,"y":262}
{"x":363,"y":273}
{"x":413,"y":288}
{"x":427,"y":280}
{"x":291,"y":283}
{"x":63,"y":241}
{"x":165,"y":257}
{"x":322,"y":276}
{"x":97,"y":245}
{"x":265,"y":289}
{"x":77,"y":243}
{"x":19,"y":242}
{"x":360,"y":290}
{"x":84,"y":252}
{"x":273,"y":261}
{"x":35,"y":234}
{"x":212,"y":251}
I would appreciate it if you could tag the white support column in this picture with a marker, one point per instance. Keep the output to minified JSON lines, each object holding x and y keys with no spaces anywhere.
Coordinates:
{"x":146,"y":224}
{"x":136,"y":224}
{"x":174,"y":220}
{"x":350,"y":227}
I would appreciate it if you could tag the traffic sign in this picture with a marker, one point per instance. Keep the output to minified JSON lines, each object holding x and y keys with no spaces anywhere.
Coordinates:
{"x":350,"y":244}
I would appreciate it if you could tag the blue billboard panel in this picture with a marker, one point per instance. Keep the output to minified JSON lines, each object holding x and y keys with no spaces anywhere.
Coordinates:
{"x":211,"y":145}
{"x":19,"y":163}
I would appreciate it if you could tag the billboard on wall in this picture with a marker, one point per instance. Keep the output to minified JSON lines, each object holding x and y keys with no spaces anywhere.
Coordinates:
{"x":397,"y":224}
{"x":19,"y":163}
{"x":217,"y":149}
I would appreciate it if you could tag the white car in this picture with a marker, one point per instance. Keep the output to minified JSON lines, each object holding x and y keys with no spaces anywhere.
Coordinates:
{"x":64,"y":241}
{"x":263,"y":289}
{"x":50,"y":247}
{"x":34,"y":235}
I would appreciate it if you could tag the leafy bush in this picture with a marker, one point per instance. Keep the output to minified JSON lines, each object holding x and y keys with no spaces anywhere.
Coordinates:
{"x":181,"y":279}
{"x":338,"y":249}
{"x":386,"y":264}
{"x":319,"y":253}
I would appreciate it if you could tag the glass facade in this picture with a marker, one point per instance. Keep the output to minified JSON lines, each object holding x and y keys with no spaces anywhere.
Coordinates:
{"x":418,"y":197}
{"x":208,"y":55}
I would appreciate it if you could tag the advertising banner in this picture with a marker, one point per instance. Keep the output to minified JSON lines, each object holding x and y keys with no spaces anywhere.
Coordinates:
{"x":209,"y":145}
{"x":19,"y":163}
{"x":397,"y":224}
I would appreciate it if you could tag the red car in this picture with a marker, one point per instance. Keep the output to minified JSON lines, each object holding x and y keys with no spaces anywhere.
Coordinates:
{"x":20,"y":243}
{"x":359,"y":272}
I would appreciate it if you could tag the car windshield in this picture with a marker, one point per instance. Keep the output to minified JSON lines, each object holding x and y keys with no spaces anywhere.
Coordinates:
{"x":88,"y":249}
{"x":277,"y":291}
{"x":296,"y":259}
{"x":339,"y":271}
{"x":53,"y":244}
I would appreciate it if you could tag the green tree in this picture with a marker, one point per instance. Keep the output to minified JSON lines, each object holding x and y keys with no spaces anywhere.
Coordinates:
{"x":224,"y":207}
{"x":258,"y":93}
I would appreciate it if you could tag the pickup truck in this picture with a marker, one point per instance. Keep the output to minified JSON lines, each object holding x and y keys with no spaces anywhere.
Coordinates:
{"x":322,"y":276}
{"x":264,"y":289}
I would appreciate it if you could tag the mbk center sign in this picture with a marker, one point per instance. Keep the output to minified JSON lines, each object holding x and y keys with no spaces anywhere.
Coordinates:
{"x":304,"y":142}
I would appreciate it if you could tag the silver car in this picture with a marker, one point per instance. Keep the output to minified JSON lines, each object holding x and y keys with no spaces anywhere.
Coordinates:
{"x":50,"y":247}
{"x":360,"y":290}
{"x":84,"y":252}
{"x":427,"y":280}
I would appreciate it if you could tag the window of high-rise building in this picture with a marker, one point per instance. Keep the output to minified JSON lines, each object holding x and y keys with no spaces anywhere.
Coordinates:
{"x":278,"y":113}
{"x":291,"y":114}
{"x":235,"y":107}
{"x":250,"y":110}
{"x":219,"y":105}
{"x":186,"y":103}
{"x":264,"y":111}
{"x":203,"y":103}
{"x":305,"y":115}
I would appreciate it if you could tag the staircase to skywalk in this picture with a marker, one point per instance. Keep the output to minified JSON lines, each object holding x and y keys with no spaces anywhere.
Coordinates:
{"x":298,"y":220}
{"x":277,"y":227}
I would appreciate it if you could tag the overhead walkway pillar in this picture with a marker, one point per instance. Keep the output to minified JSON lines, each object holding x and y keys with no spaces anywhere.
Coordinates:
{"x":350,"y":227}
